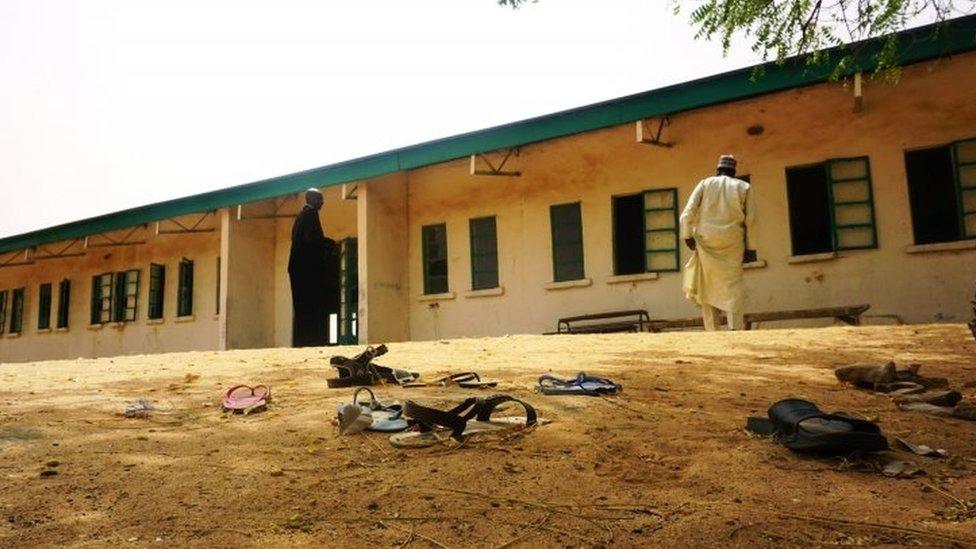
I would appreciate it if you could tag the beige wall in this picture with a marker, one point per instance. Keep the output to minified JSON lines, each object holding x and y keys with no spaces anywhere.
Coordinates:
{"x":338,"y":218}
{"x":141,"y":336}
{"x":933,"y":104}
{"x":247,"y":286}
{"x":384,"y":297}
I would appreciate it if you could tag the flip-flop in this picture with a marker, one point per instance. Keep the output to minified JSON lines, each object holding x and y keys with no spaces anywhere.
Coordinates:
{"x":360,"y":371}
{"x":582,"y":385}
{"x":467,"y":380}
{"x":802,"y":427}
{"x":371,"y":416}
{"x":937,"y":398}
{"x":246,"y":399}
{"x":471,"y":417}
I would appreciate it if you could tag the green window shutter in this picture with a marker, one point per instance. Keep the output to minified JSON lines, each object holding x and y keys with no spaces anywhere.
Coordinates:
{"x":661,"y":250}
{"x":349,"y":292}
{"x":44,"y":307}
{"x":131,"y":295}
{"x":3,"y":311}
{"x":17,"y":311}
{"x":157,"y":285}
{"x":184,"y":304}
{"x":106,"y":281}
{"x":851,"y":203}
{"x":96,"y":300}
{"x":434,"y":249}
{"x":964,"y":157}
{"x":484,"y":253}
{"x":64,"y":302}
{"x":567,"y":242}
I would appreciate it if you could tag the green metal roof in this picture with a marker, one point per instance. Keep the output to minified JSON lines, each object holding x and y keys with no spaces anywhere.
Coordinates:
{"x":920,"y":44}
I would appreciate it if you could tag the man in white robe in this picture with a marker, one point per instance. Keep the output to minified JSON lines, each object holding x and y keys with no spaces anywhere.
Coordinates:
{"x":717,"y":224}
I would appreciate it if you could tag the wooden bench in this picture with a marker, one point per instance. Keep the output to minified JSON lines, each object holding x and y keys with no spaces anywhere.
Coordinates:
{"x":850,"y":315}
{"x":605,"y":323}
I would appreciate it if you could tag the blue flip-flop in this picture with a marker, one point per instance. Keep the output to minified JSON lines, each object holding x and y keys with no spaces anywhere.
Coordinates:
{"x":582,"y":385}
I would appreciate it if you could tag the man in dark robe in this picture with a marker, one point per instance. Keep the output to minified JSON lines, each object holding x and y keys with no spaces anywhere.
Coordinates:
{"x":313,"y":267}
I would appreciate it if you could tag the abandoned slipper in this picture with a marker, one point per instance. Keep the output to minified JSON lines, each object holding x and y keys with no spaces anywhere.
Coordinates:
{"x":372,"y":416}
{"x":937,"y":398}
{"x":802,"y":427}
{"x":360,"y":371}
{"x":466,"y":380}
{"x":962,"y":410}
{"x":582,"y":384}
{"x":471,"y":417}
{"x":246,"y":399}
{"x":867,"y":375}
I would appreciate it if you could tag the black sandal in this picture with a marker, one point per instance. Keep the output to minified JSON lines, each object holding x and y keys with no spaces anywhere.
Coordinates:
{"x":802,"y":427}
{"x":469,"y":418}
{"x":360,"y":370}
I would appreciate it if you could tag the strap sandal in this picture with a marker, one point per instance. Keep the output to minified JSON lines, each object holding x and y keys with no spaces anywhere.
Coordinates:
{"x":471,"y":417}
{"x":802,"y":427}
{"x":245,"y":399}
{"x":582,"y":384}
{"x":466,"y":380}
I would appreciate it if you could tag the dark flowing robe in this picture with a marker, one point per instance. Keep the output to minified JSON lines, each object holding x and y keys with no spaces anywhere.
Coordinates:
{"x":313,"y":268}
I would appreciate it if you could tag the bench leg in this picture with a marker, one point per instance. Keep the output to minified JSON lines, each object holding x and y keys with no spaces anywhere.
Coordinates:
{"x":850,"y":320}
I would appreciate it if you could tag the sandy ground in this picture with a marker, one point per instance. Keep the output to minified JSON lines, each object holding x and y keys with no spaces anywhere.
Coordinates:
{"x":666,"y":463}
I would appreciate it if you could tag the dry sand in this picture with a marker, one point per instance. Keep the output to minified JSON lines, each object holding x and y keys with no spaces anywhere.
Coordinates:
{"x":665,"y":463}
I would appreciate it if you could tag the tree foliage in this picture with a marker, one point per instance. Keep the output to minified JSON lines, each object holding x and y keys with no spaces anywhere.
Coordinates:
{"x":778,"y":29}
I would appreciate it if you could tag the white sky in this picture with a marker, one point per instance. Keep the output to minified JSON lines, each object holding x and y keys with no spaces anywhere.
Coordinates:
{"x":106,"y":105}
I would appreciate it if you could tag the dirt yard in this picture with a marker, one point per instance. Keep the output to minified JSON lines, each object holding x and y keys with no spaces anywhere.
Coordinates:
{"x":666,"y":463}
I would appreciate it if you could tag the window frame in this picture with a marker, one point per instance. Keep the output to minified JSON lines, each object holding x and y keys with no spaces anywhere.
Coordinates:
{"x":426,"y":260}
{"x":155,"y":308}
{"x":675,"y":230}
{"x":102,"y":305}
{"x":18,"y":296}
{"x":832,"y":204}
{"x":3,"y":310}
{"x":957,"y":166}
{"x":184,"y":295}
{"x":582,"y":251}
{"x":44,"y":306}
{"x":472,"y":236}
{"x":64,"y":303}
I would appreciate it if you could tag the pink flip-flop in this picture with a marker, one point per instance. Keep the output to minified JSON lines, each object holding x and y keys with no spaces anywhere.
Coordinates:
{"x":244,"y":398}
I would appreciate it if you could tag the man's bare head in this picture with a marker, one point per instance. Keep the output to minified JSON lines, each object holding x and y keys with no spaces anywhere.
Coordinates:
{"x":313,"y":197}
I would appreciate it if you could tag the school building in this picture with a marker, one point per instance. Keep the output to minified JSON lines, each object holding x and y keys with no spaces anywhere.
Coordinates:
{"x":865,"y":191}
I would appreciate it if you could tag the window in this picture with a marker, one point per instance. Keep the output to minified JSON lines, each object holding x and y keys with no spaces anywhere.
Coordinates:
{"x":567,"y":242}
{"x":831,"y":206}
{"x":44,"y":307}
{"x":942,"y":192}
{"x":3,"y":311}
{"x":184,"y":305}
{"x":157,"y":285}
{"x":64,"y":302}
{"x":115,"y":297}
{"x":17,"y":311}
{"x":484,"y":253}
{"x":434,"y":240}
{"x":101,"y":298}
{"x":645,"y":232}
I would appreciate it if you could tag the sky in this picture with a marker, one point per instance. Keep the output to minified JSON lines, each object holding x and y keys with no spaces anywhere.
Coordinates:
{"x":111,"y":104}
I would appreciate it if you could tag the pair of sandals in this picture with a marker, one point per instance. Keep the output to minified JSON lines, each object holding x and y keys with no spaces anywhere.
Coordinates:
{"x":802,"y":427}
{"x":360,"y":371}
{"x":371,"y":416}
{"x":245,"y":399}
{"x":582,"y":384}
{"x":474,"y":416}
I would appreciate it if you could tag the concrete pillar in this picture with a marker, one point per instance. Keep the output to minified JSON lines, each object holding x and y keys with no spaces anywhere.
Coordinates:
{"x":247,"y":289}
{"x":384,"y":292}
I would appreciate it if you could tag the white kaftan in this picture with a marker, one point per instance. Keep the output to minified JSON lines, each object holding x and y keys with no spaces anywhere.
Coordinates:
{"x":719,"y":216}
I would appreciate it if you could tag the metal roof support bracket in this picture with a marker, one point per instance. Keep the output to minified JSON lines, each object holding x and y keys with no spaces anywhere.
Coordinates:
{"x":185,"y":228}
{"x":107,"y":241}
{"x":275,"y":214}
{"x":41,"y":252}
{"x":349,"y":191}
{"x":16,"y":258}
{"x":649,"y":136}
{"x":492,"y":169}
